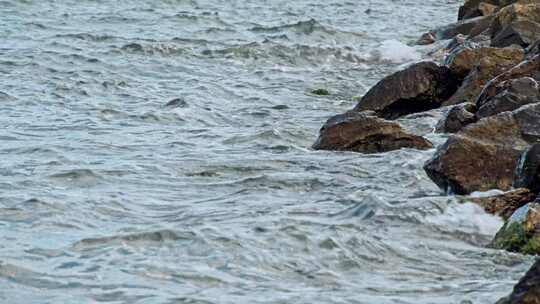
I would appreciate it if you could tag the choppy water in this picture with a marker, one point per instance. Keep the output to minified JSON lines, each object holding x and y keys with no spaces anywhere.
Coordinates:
{"x":158,"y":152}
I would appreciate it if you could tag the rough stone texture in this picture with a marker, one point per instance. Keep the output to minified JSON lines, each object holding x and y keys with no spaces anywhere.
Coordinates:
{"x":514,"y":13}
{"x":464,"y":60}
{"x":521,"y":233}
{"x":484,"y":155}
{"x":464,"y":27}
{"x":420,"y":87}
{"x":528,"y":118}
{"x":472,"y":8}
{"x":505,"y":204}
{"x":528,"y":170}
{"x":457,"y":118}
{"x":478,"y":158}
{"x":522,"y":33}
{"x":527,"y":290}
{"x":490,"y":62}
{"x":511,"y":95}
{"x":361,"y":132}
{"x":527,"y":68}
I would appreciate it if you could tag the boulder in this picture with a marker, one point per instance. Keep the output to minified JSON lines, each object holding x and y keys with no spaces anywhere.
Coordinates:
{"x":484,"y":155}
{"x":457,"y":118}
{"x":527,"y":68}
{"x":521,"y":233}
{"x":528,"y":169}
{"x":527,"y":290}
{"x":522,"y":33}
{"x":463,"y":60}
{"x":514,"y":13}
{"x":511,"y":95}
{"x":475,"y":8}
{"x":487,"y":63}
{"x":504,"y":205}
{"x":362,"y":132}
{"x":420,"y":87}
{"x":463,"y":27}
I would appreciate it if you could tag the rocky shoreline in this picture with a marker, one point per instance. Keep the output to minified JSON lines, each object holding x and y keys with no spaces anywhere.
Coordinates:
{"x":489,"y":82}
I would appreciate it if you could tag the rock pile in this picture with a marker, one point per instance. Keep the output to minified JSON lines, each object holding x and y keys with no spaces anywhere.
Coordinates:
{"x":490,"y":80}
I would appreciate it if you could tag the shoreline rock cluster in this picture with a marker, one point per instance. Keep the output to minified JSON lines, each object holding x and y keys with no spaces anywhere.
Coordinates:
{"x":490,"y":80}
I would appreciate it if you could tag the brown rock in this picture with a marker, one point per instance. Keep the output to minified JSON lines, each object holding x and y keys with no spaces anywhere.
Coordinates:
{"x":513,"y":13}
{"x":484,"y":155}
{"x":420,"y":87}
{"x":463,"y":27}
{"x":490,"y":62}
{"x":512,"y":94}
{"x":522,"y":33}
{"x":487,"y":9}
{"x":528,"y":68}
{"x":457,"y":118}
{"x":481,"y":157}
{"x":361,"y":132}
{"x":474,"y":8}
{"x":462,"y":61}
{"x":505,"y":204}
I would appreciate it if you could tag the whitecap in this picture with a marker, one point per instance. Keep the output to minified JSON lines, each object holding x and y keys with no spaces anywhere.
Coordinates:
{"x":397,"y":52}
{"x":467,"y":217}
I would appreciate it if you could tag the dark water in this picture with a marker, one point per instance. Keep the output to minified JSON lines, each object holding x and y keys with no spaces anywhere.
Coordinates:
{"x":158,"y":152}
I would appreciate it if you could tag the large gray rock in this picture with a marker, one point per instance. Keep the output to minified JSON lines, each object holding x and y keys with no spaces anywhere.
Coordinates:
{"x":420,"y":87}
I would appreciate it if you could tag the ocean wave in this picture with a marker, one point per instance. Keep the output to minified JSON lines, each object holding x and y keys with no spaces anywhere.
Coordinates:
{"x":156,"y":237}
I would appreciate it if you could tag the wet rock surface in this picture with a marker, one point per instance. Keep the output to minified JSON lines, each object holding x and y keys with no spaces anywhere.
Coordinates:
{"x":488,"y":63}
{"x":521,"y":233}
{"x":481,"y":157}
{"x":504,"y":205}
{"x":457,"y":118}
{"x":490,"y":80}
{"x":515,"y":13}
{"x":510,"y":95}
{"x":362,"y":132}
{"x":528,"y":169}
{"x":420,"y":87}
{"x":527,"y":290}
{"x":521,"y":33}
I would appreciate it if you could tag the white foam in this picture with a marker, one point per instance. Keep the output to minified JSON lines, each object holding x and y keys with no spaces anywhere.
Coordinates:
{"x":492,"y":192}
{"x":467,"y":217}
{"x":397,"y":52}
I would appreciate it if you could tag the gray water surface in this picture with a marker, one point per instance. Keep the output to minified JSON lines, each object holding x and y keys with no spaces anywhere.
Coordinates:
{"x":158,"y":152}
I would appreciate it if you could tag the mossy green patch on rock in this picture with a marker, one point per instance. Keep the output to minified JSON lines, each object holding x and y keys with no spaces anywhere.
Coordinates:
{"x":532,"y":246}
{"x":520,"y":233}
{"x":321,"y":92}
{"x":511,"y":237}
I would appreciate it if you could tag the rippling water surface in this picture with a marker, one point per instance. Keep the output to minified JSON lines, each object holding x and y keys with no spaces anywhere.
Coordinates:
{"x":158,"y":152}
